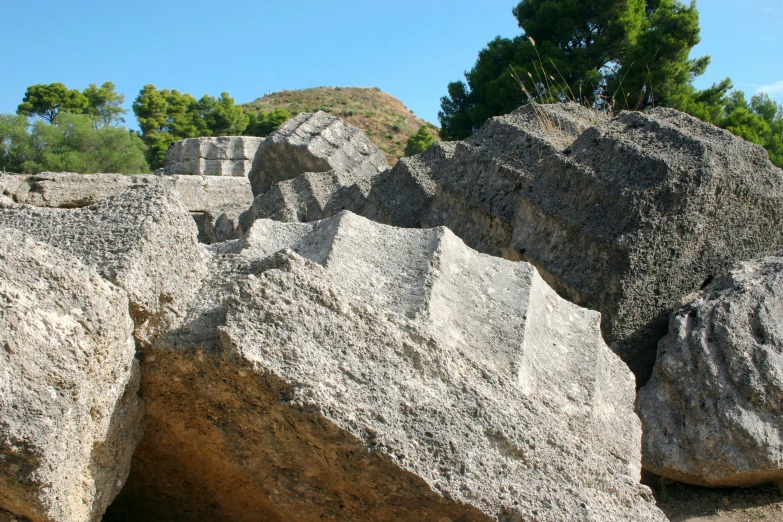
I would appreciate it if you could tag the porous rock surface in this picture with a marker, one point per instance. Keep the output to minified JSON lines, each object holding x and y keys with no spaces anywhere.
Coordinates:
{"x":70,"y":414}
{"x":142,"y":239}
{"x":349,"y":370}
{"x":314,"y":142}
{"x":712,"y":410}
{"x":214,"y":202}
{"x":625,"y":215}
{"x":212,"y":156}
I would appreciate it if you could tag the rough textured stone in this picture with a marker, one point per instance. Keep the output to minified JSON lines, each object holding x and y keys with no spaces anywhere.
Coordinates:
{"x":70,"y":414}
{"x":713,"y":409}
{"x":143,"y":240}
{"x":314,"y":142}
{"x":626,"y":216}
{"x":215,"y":202}
{"x":350,"y":370}
{"x":212,"y":156}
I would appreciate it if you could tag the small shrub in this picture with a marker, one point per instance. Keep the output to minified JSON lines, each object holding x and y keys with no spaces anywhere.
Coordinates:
{"x":419,"y":142}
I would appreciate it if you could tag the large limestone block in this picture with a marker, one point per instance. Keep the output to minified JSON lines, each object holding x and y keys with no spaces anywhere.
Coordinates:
{"x":314,"y":196}
{"x":70,"y":414}
{"x":713,"y":410}
{"x":625,"y":215}
{"x":71,"y":190}
{"x":349,"y":370}
{"x":212,"y":156}
{"x":314,"y":142}
{"x":143,"y":240}
{"x":215,"y":202}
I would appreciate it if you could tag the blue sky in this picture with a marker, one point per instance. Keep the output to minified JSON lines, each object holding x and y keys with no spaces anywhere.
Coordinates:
{"x":410,"y":49}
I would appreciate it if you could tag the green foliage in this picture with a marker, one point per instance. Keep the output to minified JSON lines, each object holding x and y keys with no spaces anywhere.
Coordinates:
{"x":419,"y":142}
{"x":265,"y":123}
{"x":606,"y":54}
{"x":655,"y":68}
{"x":15,"y":144}
{"x":72,"y":143}
{"x":166,"y":116}
{"x":760,"y":122}
{"x":105,"y":104}
{"x":222,"y":117}
{"x":47,"y":101}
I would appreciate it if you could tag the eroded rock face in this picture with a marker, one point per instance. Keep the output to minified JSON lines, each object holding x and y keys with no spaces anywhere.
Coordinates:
{"x":70,"y":414}
{"x":143,"y":240}
{"x":212,"y":156}
{"x":214,"y":202}
{"x":712,"y":410}
{"x":314,"y":142}
{"x":626,"y":216}
{"x":357,"y":371}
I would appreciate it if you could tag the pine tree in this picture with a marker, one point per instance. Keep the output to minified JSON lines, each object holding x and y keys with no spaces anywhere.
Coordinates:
{"x":419,"y":142}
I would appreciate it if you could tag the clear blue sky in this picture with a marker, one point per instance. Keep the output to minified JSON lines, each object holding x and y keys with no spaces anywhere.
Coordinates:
{"x":410,"y":49}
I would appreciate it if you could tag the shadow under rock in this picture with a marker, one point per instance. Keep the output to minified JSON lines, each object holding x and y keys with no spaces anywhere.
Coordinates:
{"x":685,"y":503}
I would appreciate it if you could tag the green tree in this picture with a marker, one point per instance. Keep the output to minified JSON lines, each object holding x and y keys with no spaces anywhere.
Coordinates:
{"x":47,"y":101}
{"x":760,"y":122}
{"x":601,"y":53}
{"x":419,"y":142}
{"x":655,"y":69}
{"x":71,"y":144}
{"x":166,"y":116}
{"x":105,"y":104}
{"x":222,"y":117}
{"x":14,"y":142}
{"x":264,"y":124}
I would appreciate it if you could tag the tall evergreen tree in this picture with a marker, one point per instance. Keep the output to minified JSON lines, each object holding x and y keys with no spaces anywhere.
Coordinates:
{"x":601,"y":53}
{"x":222,"y":117}
{"x":105,"y":104}
{"x":48,"y":100}
{"x":166,"y":116}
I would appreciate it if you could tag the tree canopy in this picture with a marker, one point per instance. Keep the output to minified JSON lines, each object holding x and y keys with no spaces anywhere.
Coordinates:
{"x":265,"y":123}
{"x":222,"y":117}
{"x":759,"y":120}
{"x":71,"y":144}
{"x":419,"y":142}
{"x":601,"y":53}
{"x":47,"y":101}
{"x":105,"y":104}
{"x":166,"y":116}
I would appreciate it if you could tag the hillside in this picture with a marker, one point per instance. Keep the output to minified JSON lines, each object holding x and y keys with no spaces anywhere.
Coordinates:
{"x":384,"y":118}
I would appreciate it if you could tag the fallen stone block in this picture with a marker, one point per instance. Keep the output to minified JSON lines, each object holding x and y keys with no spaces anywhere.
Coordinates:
{"x":70,"y":412}
{"x":214,"y":202}
{"x":350,"y":370}
{"x":314,"y":142}
{"x":713,"y":408}
{"x":625,"y":215}
{"x":212,"y":156}
{"x":142,"y":239}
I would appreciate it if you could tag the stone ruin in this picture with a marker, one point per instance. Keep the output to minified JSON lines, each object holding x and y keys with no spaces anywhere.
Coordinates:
{"x":212,"y":156}
{"x":414,"y":343}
